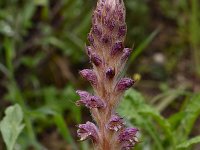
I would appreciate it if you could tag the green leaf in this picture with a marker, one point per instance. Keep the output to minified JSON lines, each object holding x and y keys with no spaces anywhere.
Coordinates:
{"x":143,"y":45}
{"x":11,"y":125}
{"x":148,"y":119}
{"x":41,"y":2}
{"x":64,"y":130}
{"x":190,"y":142}
{"x":191,"y":112}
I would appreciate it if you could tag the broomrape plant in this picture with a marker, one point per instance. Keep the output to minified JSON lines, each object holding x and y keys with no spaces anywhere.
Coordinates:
{"x":108,"y":57}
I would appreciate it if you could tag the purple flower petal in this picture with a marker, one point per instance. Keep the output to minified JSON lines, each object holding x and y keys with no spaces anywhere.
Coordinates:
{"x":106,"y":39}
{"x":124,"y":84}
{"x":126,"y":54}
{"x":122,"y":31}
{"x":89,"y":75}
{"x":96,"y":59}
{"x":115,"y":123}
{"x":83,"y":94}
{"x":89,"y":101}
{"x":88,"y":130}
{"x":96,"y":30}
{"x":128,"y":138}
{"x":118,"y":47}
{"x":84,"y":97}
{"x":91,"y":39}
{"x":88,"y":50}
{"x":95,"y":102}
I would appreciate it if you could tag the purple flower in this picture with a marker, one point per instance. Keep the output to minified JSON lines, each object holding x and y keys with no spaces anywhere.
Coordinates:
{"x":119,"y":13}
{"x":95,"y":102}
{"x":88,"y":130}
{"x":89,"y":101}
{"x":115,"y":123}
{"x":128,"y":138}
{"x":96,"y":59}
{"x":122,"y":31}
{"x":96,"y":31}
{"x":88,"y":50}
{"x":106,"y":39}
{"x":89,"y":75}
{"x":91,"y":39}
{"x":110,"y":73}
{"x":124,"y":84}
{"x":108,"y":56}
{"x":110,"y":23}
{"x":117,"y":47}
{"x":126,"y":54}
{"x":83,"y":94}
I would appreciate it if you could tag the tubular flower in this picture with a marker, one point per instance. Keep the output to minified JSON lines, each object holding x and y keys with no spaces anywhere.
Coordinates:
{"x":116,"y":123}
{"x":89,"y":75}
{"x":88,"y":130}
{"x":108,"y":55}
{"x":128,"y":138}
{"x":124,"y":84}
{"x":89,"y":100}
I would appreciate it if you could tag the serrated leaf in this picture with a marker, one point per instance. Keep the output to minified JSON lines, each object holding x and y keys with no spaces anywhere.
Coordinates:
{"x":11,"y":125}
{"x":190,"y":142}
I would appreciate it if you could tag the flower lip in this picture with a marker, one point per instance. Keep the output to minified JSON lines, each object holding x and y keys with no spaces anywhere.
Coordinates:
{"x":128,"y":138}
{"x":88,"y":130}
{"x":128,"y":134}
{"x":83,"y":94}
{"x":115,"y":123}
{"x":89,"y":100}
{"x":95,"y":102}
{"x":126,"y":54}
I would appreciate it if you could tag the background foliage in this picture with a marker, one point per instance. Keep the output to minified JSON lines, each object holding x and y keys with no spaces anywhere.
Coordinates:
{"x":42,"y":48}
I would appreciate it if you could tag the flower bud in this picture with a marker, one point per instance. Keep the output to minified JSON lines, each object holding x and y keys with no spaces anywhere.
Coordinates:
{"x":109,"y":23}
{"x":110,"y":73}
{"x":124,"y":84}
{"x":89,"y":75}
{"x":96,"y":59}
{"x":120,"y":12}
{"x":126,"y":54}
{"x":106,"y":39}
{"x":96,"y":30}
{"x":115,"y":123}
{"x":117,"y":47}
{"x":88,"y":50}
{"x":88,"y":130}
{"x":91,"y":39}
{"x":122,"y":31}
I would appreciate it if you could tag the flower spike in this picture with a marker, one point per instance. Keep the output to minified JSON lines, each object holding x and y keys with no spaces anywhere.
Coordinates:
{"x":108,"y":56}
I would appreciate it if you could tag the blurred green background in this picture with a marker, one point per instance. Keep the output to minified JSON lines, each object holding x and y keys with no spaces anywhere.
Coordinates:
{"x":42,"y":49}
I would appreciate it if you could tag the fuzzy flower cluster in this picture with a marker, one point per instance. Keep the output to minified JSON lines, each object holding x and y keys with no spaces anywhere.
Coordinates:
{"x":108,"y":57}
